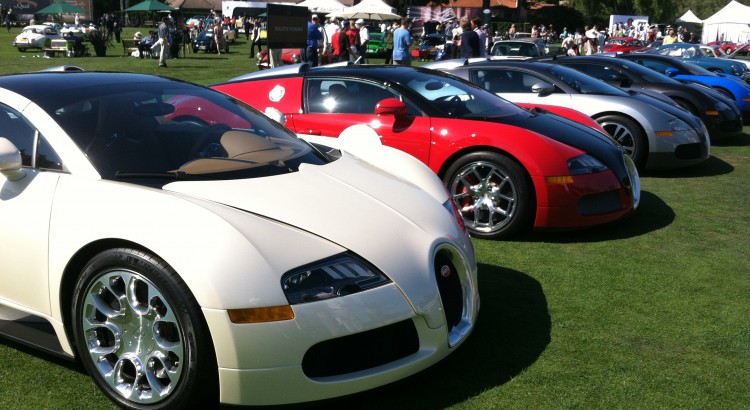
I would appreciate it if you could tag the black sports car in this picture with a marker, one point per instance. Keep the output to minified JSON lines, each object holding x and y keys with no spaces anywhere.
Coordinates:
{"x":721,"y":114}
{"x":205,"y":42}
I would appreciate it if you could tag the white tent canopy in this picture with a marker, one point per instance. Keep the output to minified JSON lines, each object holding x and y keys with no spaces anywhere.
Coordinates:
{"x":689,"y":17}
{"x":732,"y":23}
{"x":323,"y":6}
{"x":371,"y":10}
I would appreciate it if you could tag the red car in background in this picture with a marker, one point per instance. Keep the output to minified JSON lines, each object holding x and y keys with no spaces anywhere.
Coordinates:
{"x":727,"y":46}
{"x":507,"y":168}
{"x":622,"y":44}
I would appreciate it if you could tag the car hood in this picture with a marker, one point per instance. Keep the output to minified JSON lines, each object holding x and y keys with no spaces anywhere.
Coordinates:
{"x":583,"y":137}
{"x":348,"y":201}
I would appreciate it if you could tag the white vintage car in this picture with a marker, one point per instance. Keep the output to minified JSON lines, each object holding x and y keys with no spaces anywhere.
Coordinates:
{"x":189,"y":250}
{"x":38,"y":36}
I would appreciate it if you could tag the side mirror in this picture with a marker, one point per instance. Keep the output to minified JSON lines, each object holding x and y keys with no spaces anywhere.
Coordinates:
{"x":391,"y":106}
{"x":671,"y":72}
{"x":543,"y":89}
{"x":275,"y":115}
{"x":10,"y":160}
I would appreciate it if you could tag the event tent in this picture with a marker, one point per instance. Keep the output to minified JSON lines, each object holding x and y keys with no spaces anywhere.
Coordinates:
{"x":371,"y":10}
{"x":728,"y":24}
{"x":689,"y":17}
{"x":323,"y":6}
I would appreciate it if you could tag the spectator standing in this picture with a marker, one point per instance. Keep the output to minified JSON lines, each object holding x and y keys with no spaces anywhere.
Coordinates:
{"x":331,"y":28}
{"x":354,"y":42}
{"x":335,"y":45}
{"x":512,"y":31}
{"x":591,"y":46}
{"x":163,"y":33}
{"x":246,"y":26}
{"x":7,"y":21}
{"x":671,"y":37}
{"x":314,"y":37}
{"x":364,"y":38}
{"x":469,"y":40}
{"x":476,"y":25}
{"x":389,"y":42}
{"x":600,"y":39}
{"x":345,"y":46}
{"x":402,"y":43}
{"x":218,"y":35}
{"x":255,"y":38}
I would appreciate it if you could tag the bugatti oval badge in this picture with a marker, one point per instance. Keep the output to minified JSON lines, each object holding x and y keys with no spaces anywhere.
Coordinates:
{"x":277,"y":93}
{"x":445,"y":270}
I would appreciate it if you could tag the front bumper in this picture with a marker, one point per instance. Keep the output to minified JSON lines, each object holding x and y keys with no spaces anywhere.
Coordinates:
{"x":590,"y":200}
{"x":339,"y":346}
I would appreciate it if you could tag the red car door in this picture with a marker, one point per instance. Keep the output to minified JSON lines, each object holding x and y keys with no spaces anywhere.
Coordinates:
{"x":333,"y":104}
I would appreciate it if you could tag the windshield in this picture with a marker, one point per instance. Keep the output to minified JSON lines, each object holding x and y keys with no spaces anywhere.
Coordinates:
{"x":174,"y":130}
{"x":583,"y":83}
{"x":455,"y":98}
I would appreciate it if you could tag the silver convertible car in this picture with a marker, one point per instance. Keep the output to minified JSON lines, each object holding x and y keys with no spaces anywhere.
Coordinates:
{"x":653,"y":130}
{"x":189,"y":250}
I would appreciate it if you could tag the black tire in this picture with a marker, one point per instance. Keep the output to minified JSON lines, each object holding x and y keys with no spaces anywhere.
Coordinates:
{"x":687,"y":106}
{"x":629,"y":135}
{"x":493,"y":194}
{"x":140,"y":334}
{"x":725,"y":93}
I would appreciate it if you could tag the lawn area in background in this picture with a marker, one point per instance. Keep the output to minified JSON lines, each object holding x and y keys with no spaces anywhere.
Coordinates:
{"x":651,"y":312}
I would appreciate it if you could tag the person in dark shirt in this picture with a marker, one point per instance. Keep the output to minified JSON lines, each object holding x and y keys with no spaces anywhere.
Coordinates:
{"x":469,"y":40}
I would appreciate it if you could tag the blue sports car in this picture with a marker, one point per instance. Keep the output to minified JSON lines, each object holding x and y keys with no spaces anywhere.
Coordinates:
{"x":692,"y":53}
{"x":728,"y":85}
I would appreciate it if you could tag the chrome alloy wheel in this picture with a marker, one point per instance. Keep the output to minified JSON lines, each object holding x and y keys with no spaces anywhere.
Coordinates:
{"x":621,"y":134}
{"x":133,"y":336}
{"x":486,"y":196}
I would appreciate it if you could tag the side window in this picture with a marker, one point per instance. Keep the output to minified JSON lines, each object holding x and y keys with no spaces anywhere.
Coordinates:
{"x":344,"y":96}
{"x":17,"y":130}
{"x":601,"y":72}
{"x":505,"y":81}
{"x":657,"y":66}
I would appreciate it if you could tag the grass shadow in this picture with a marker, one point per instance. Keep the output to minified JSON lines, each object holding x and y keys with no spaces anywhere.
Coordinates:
{"x":740,"y":140}
{"x":711,"y":167}
{"x":652,"y":214}
{"x":513,"y":330}
{"x":70,"y":364}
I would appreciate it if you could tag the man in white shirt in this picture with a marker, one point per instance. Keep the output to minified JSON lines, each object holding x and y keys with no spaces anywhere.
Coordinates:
{"x":364,"y":38}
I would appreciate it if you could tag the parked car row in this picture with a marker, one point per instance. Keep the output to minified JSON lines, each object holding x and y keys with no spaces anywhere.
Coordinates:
{"x":117,"y":172}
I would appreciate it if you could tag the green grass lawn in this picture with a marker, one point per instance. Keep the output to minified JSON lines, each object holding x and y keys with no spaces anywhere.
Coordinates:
{"x":652,"y":312}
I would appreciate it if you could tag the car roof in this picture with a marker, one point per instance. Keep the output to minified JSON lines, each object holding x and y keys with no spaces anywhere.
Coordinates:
{"x":378,"y":72}
{"x":39,"y":84}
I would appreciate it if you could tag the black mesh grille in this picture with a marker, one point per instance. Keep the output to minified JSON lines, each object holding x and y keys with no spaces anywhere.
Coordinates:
{"x":449,"y":286}
{"x":690,"y":151}
{"x":600,"y":203}
{"x":361,"y":351}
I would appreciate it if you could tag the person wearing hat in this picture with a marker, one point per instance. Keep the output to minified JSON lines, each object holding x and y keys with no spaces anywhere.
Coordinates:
{"x":314,"y":37}
{"x":671,"y":36}
{"x":354,"y":41}
{"x":364,"y":38}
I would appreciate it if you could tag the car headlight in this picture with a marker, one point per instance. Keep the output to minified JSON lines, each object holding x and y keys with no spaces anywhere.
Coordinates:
{"x":720,"y":106}
{"x":339,"y":275}
{"x":585,"y":164}
{"x":676,"y":124}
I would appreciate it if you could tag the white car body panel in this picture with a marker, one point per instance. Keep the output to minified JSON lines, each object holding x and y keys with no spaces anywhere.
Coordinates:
{"x":232,"y":240}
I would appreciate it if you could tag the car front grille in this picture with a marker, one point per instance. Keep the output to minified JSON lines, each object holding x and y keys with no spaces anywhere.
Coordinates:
{"x":599,"y":203}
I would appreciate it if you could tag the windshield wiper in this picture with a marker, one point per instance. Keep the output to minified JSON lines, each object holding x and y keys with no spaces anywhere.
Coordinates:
{"x":177,"y":175}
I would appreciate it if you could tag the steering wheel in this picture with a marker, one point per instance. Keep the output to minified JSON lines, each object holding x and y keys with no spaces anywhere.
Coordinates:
{"x":449,"y":98}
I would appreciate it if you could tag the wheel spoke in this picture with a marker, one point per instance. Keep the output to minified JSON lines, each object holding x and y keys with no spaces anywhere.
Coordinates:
{"x":133,"y":336}
{"x":493,"y":196}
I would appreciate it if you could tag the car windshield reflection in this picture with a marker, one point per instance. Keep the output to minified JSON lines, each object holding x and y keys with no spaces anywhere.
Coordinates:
{"x":176,"y":132}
